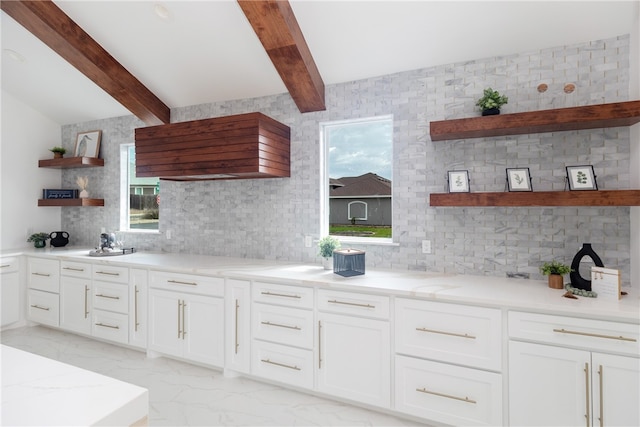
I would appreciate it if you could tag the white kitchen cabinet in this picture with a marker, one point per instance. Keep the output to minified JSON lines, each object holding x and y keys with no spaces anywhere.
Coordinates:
{"x":75,"y":304}
{"x":43,"y":274}
{"x":238,"y":321}
{"x":110,"y":302}
{"x":10,"y":278}
{"x":138,"y":301}
{"x":43,"y":283}
{"x":354,"y":358}
{"x":43,"y":307}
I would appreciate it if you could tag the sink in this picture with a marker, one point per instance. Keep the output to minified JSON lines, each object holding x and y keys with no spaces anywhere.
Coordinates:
{"x":111,"y":252}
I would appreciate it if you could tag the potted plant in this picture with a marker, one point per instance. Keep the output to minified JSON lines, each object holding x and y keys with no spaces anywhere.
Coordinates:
{"x":326,"y":246}
{"x":58,"y":152}
{"x":491,"y":102}
{"x":39,"y":239}
{"x":555,"y":270}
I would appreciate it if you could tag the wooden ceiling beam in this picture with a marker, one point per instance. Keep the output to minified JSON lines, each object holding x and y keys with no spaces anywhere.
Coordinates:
{"x":278,"y":30}
{"x":53,"y":27}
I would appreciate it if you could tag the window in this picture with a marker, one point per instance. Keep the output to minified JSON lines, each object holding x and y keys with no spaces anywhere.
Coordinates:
{"x":356,"y":178}
{"x":139,"y":197}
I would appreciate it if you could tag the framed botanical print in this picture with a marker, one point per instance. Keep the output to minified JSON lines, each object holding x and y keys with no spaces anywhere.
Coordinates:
{"x":458,"y":181}
{"x":519,"y":179}
{"x":581,"y":178}
{"x":88,"y":144}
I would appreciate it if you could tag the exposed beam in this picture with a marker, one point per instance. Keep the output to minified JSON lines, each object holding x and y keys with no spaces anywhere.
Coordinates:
{"x":51,"y":25}
{"x":278,"y":30}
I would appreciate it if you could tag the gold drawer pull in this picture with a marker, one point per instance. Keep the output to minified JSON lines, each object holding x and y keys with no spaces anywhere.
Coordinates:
{"x":40,"y":308}
{"x":41,"y":274}
{"x":5,"y":265}
{"x":280,"y":364}
{"x":108,"y":273}
{"x":453,"y":334}
{"x":73,"y":268}
{"x":448,"y":396}
{"x":351,"y":303}
{"x":178,"y":282}
{"x":297,"y":328}
{"x":106,"y":296}
{"x":273,"y":294}
{"x":587,"y":334}
{"x":107,"y":326}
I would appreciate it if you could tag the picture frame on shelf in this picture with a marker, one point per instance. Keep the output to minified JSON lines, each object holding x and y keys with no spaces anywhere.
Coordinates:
{"x":519,"y":179}
{"x":581,"y":178}
{"x":88,"y":144}
{"x":458,"y":181}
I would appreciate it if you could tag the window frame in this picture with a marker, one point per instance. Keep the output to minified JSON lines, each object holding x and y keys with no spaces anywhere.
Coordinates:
{"x":125,"y":225}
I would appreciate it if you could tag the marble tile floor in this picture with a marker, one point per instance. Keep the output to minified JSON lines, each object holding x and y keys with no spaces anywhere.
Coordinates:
{"x":181,"y":394}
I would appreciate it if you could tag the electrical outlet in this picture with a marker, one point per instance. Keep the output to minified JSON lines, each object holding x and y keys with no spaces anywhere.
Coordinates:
{"x":168,"y":234}
{"x":426,"y":246}
{"x":307,"y":241}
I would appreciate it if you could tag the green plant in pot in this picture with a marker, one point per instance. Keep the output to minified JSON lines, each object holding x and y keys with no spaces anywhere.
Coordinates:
{"x":555,"y":270}
{"x":39,"y":239}
{"x":326,"y":246}
{"x":58,"y":152}
{"x":491,"y":102}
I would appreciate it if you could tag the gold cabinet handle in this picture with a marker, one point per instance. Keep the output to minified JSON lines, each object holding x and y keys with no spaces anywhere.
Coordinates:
{"x":179,"y":310}
{"x":179,"y":282}
{"x":351,"y":303}
{"x":108,"y":273}
{"x":40,"y":308}
{"x":297,"y":328}
{"x":108,"y":326}
{"x":107,"y":296}
{"x":273,"y":294}
{"x":86,"y":297}
{"x":236,"y":325}
{"x":42,"y":274}
{"x":319,"y":344}
{"x":453,"y":334}
{"x":601,"y":381}
{"x":135,"y":309}
{"x":587,"y":334}
{"x":586,"y":381}
{"x":184,"y":332}
{"x":73,"y":268}
{"x":5,"y":265}
{"x":448,"y":396}
{"x":280,"y":364}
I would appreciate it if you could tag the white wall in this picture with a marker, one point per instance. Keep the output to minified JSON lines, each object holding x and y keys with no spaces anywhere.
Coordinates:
{"x":27,"y":136}
{"x":634,"y":93}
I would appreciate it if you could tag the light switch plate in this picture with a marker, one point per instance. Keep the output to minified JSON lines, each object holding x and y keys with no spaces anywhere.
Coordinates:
{"x":426,"y":246}
{"x":307,"y":241}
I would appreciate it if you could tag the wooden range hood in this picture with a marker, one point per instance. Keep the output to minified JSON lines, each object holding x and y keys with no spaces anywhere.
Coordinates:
{"x":233,"y":147}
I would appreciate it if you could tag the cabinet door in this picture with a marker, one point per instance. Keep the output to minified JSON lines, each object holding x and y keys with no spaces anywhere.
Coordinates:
{"x":548,"y":386}
{"x":138,"y":297}
{"x":203,"y":329}
{"x":354,"y":358}
{"x":75,"y":304}
{"x":237,"y":319}
{"x":616,"y":390}
{"x":165,"y":322}
{"x":44,"y":274}
{"x":10,"y":291}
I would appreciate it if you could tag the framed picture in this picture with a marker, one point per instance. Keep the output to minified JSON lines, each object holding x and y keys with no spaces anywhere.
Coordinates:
{"x":458,"y":181}
{"x":88,"y":144}
{"x":581,"y":178}
{"x":519,"y":179}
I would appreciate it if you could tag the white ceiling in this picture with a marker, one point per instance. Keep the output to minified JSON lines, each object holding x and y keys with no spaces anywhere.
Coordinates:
{"x":207,"y":51}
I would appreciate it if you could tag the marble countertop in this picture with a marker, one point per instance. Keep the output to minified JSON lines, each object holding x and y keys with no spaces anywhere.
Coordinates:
{"x":488,"y":291}
{"x":37,"y":391}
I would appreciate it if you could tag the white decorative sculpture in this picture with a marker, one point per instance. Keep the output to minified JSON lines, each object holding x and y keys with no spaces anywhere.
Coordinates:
{"x":82,"y":182}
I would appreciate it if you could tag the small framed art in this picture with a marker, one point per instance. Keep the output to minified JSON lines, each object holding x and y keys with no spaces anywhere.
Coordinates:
{"x":458,"y":181}
{"x":581,"y":178}
{"x":88,"y":144}
{"x":519,"y":179}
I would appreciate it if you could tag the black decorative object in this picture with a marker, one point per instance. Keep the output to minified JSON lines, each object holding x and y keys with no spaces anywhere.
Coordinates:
{"x":577,"y":281}
{"x":491,"y":112}
{"x":59,"y":239}
{"x":348,"y":262}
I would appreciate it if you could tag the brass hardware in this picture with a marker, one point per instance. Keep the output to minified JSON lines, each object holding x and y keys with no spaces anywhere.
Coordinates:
{"x":351,"y":303}
{"x":86,"y":293}
{"x":586,"y":334}
{"x":5,"y":265}
{"x":107,"y":326}
{"x":297,"y":328}
{"x":586,"y":381}
{"x":319,"y":345}
{"x":237,"y":343}
{"x":106,"y":296}
{"x":273,"y":294}
{"x":73,"y":269}
{"x":179,"y":310}
{"x":453,"y":334}
{"x":40,"y":308}
{"x":280,"y":364}
{"x":41,"y":274}
{"x":135,"y":309}
{"x":108,"y":273}
{"x":184,"y":304}
{"x":178,"y":282}
{"x":448,"y":396}
{"x":601,"y":381}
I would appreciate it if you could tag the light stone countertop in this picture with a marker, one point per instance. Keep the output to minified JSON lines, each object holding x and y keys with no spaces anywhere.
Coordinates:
{"x":488,"y":291}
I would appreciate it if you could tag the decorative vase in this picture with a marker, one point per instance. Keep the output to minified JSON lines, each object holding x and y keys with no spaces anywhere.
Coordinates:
{"x":40,"y":243}
{"x":555,"y":281}
{"x":491,"y":112}
{"x":577,"y":281}
{"x":57,"y":155}
{"x":84,"y":194}
{"x":327,"y":263}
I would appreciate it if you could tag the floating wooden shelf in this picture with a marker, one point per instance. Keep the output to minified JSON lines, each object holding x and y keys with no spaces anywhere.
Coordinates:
{"x":539,"y":198}
{"x":71,"y":162}
{"x":560,"y":119}
{"x":71,"y":202}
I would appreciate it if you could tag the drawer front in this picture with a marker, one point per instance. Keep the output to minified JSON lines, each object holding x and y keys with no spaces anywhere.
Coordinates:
{"x":291,"y":296}
{"x":75,"y":269}
{"x":446,"y":393}
{"x":110,"y":326}
{"x":111,"y":297}
{"x":450,"y":333}
{"x":110,"y":273}
{"x":9,"y":264}
{"x":202,"y":285}
{"x":574,"y":332}
{"x":351,"y":303}
{"x":284,"y":325}
{"x":284,"y":364}
{"x":44,"y":307}
{"x":44,"y":274}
